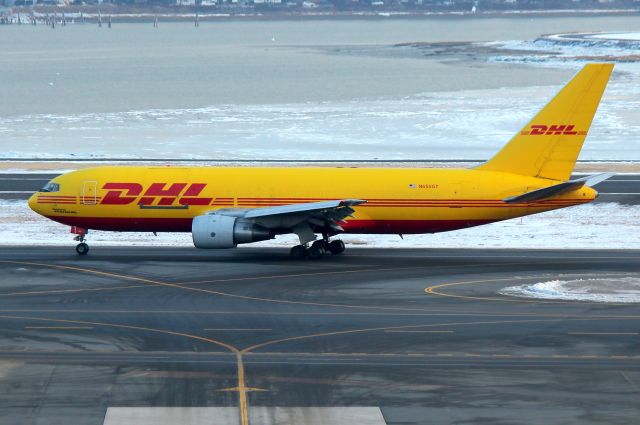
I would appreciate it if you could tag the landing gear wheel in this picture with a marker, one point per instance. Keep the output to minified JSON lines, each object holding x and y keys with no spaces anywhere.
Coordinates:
{"x":298,"y":252}
{"x":322,"y":244}
{"x":82,"y":248}
{"x":315,"y":252}
{"x":336,"y":247}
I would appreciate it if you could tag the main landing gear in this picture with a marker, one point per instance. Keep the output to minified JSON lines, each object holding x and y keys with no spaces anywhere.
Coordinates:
{"x":317,"y":249}
{"x":82,"y":248}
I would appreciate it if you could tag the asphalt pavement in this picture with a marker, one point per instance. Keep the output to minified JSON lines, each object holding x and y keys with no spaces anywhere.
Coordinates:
{"x":423,"y":335}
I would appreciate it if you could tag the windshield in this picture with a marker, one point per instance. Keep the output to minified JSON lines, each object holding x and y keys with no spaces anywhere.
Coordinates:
{"x":51,"y":187}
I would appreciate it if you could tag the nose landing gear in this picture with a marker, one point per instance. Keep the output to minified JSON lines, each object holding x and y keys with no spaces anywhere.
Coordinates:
{"x":82,"y":248}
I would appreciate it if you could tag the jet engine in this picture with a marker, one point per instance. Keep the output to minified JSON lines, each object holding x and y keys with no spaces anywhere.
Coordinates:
{"x":213,"y":231}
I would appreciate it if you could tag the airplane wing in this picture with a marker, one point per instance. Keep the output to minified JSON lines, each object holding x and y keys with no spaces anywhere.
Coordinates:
{"x":558,"y":189}
{"x":338,"y":208}
{"x":302,"y":219}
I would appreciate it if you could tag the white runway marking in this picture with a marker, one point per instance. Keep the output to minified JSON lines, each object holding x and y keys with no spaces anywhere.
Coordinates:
{"x":257,"y":415}
{"x":239,"y":329}
{"x":423,"y":332}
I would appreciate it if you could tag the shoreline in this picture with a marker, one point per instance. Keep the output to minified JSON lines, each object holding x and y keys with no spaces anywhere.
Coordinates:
{"x":91,"y":14}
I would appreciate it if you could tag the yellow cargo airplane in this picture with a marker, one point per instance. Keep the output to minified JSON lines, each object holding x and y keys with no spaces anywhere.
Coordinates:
{"x":223,"y":207}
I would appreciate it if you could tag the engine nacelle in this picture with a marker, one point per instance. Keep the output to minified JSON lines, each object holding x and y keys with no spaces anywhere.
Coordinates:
{"x":215,"y":231}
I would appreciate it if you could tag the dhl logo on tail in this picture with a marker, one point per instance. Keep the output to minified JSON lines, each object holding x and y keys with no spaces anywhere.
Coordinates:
{"x":554,"y":129}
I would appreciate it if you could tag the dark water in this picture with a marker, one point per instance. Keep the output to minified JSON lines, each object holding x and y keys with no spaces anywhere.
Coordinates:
{"x":85,"y":69}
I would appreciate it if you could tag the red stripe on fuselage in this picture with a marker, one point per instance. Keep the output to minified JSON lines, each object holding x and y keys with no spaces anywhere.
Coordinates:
{"x":184,"y":224}
{"x":57,"y":202}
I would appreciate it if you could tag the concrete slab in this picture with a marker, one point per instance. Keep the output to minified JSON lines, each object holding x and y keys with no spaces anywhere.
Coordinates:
{"x":172,"y":416}
{"x":316,"y":416}
{"x":263,"y":415}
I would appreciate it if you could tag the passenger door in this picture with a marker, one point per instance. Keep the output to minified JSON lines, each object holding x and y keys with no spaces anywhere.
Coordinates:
{"x":89,"y":189}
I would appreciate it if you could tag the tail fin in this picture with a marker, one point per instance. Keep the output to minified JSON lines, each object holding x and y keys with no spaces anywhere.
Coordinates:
{"x":549,"y":145}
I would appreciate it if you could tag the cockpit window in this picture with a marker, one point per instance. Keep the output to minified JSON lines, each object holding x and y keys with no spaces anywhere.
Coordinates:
{"x":51,"y":187}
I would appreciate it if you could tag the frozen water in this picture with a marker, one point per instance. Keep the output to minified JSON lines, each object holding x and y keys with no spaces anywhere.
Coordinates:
{"x":635,"y":36}
{"x":470,"y":124}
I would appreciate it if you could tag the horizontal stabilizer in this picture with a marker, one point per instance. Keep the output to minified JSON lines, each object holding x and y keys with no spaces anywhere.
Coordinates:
{"x":558,"y":189}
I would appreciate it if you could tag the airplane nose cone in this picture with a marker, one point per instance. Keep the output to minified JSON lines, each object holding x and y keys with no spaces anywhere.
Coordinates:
{"x":33,"y":203}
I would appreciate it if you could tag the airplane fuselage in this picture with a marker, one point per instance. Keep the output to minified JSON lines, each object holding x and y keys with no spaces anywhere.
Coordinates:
{"x":398,"y":200}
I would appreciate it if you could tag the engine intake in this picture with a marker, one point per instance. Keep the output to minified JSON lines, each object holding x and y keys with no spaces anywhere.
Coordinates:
{"x":213,"y":231}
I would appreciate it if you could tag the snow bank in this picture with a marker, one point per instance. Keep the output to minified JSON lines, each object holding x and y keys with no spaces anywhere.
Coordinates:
{"x":606,"y":290}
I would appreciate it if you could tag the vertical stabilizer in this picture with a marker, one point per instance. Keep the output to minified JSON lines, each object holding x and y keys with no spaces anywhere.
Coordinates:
{"x":549,"y":145}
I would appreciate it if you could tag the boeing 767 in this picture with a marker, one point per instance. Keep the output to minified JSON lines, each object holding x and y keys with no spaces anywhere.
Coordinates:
{"x":226,"y":206}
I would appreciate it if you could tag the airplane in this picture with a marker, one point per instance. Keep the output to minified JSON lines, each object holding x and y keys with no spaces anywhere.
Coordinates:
{"x":223,"y":207}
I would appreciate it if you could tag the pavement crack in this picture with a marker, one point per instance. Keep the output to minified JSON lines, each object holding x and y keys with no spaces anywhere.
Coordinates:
{"x":630,"y":381}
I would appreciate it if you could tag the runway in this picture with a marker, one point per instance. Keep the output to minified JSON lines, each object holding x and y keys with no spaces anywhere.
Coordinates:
{"x":422,"y":335}
{"x":623,"y":188}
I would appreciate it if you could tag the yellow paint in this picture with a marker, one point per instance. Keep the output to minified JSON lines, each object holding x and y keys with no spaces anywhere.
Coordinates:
{"x":242,"y":391}
{"x":398,"y":200}
{"x":554,"y":156}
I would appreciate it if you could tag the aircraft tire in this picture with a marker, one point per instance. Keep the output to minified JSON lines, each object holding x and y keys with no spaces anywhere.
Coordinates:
{"x":298,"y":252}
{"x":82,"y":248}
{"x":336,"y":247}
{"x":321,"y":244}
{"x":315,"y":252}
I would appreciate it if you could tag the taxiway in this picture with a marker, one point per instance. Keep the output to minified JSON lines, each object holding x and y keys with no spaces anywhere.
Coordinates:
{"x":420,"y":334}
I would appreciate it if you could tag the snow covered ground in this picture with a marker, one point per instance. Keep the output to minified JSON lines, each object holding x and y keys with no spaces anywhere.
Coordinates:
{"x":600,"y":289}
{"x":595,"y":226}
